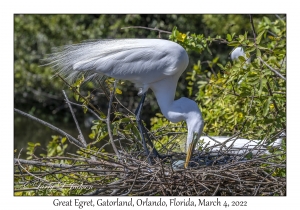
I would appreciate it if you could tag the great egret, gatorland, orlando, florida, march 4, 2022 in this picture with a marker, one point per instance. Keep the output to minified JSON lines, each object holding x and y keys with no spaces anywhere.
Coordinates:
{"x":149,"y":63}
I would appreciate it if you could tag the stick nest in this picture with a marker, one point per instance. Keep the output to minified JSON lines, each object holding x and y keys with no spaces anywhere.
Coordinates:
{"x":207,"y":175}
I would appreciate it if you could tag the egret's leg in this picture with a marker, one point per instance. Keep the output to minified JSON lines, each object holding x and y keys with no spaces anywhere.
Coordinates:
{"x":142,"y":129}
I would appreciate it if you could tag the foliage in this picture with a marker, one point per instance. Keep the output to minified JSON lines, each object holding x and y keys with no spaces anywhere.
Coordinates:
{"x":241,"y":97}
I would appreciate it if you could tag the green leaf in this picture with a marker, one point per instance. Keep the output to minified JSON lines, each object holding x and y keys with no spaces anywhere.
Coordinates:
{"x":31,"y":144}
{"x":258,"y":38}
{"x":92,"y":135}
{"x":266,"y":107}
{"x":125,"y":120}
{"x":221,"y":66}
{"x":250,"y":44}
{"x":229,"y":38}
{"x":233,"y":43}
{"x":118,"y":91}
{"x":76,"y":97}
{"x":258,"y":53}
{"x":242,"y":58}
{"x":261,"y":85}
{"x":262,"y":48}
{"x":58,"y":148}
{"x":241,"y":37}
{"x":63,"y":140}
{"x":215,"y":60}
{"x":251,"y":49}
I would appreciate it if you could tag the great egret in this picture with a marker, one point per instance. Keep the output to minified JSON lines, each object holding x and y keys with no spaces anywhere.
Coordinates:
{"x":237,"y":52}
{"x":149,"y":63}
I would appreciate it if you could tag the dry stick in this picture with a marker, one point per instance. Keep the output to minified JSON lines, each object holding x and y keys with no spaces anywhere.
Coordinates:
{"x":81,"y":138}
{"x":39,"y":163}
{"x":70,"y":138}
{"x":216,"y":190}
{"x":108,"y":121}
{"x":137,"y":172}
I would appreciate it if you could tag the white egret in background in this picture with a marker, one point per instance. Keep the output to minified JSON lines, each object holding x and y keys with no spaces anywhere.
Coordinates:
{"x":149,"y":63}
{"x":237,"y":52}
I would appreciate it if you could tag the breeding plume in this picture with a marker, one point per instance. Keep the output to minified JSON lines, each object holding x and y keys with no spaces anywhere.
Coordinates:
{"x":149,"y":63}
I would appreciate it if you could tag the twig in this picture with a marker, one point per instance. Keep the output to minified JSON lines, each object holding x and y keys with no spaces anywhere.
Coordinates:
{"x":215,"y":192}
{"x":147,"y":28}
{"x":253,"y":29}
{"x":70,"y":138}
{"x":108,"y":121}
{"x":272,"y":69}
{"x":137,"y":172}
{"x":39,"y":163}
{"x":81,"y":137}
{"x":94,"y":113}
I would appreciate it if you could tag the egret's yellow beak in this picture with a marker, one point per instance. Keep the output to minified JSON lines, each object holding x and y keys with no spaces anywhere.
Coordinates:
{"x":190,"y":150}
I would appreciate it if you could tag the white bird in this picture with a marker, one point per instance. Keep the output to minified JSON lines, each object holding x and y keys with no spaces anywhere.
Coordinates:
{"x":237,"y":52}
{"x":238,"y":146}
{"x":149,"y":63}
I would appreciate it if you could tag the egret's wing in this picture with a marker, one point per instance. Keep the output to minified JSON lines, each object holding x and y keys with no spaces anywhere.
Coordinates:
{"x":127,"y":59}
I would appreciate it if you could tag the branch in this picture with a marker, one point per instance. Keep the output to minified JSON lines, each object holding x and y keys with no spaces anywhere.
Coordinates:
{"x":94,"y":113}
{"x":108,"y":121}
{"x":147,"y":28}
{"x":75,"y":120}
{"x":272,"y":69}
{"x":253,"y":29}
{"x":70,"y":138}
{"x":40,"y":163}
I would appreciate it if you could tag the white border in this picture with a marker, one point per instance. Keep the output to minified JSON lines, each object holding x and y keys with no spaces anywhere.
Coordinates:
{"x":8,"y":8}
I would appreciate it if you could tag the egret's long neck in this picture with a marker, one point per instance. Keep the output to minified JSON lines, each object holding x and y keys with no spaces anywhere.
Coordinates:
{"x":164,"y":92}
{"x":178,"y":110}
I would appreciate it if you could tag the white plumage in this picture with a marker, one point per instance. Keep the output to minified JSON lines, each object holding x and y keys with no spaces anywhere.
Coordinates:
{"x":237,"y":52}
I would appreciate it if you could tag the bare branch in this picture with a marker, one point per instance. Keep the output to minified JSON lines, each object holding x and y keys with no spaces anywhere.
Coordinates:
{"x":112,"y":93}
{"x":70,"y":138}
{"x":272,"y":69}
{"x":75,"y":120}
{"x":94,"y":113}
{"x":253,"y":29}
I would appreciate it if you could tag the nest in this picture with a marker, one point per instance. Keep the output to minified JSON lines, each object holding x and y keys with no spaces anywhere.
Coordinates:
{"x":208,"y":174}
